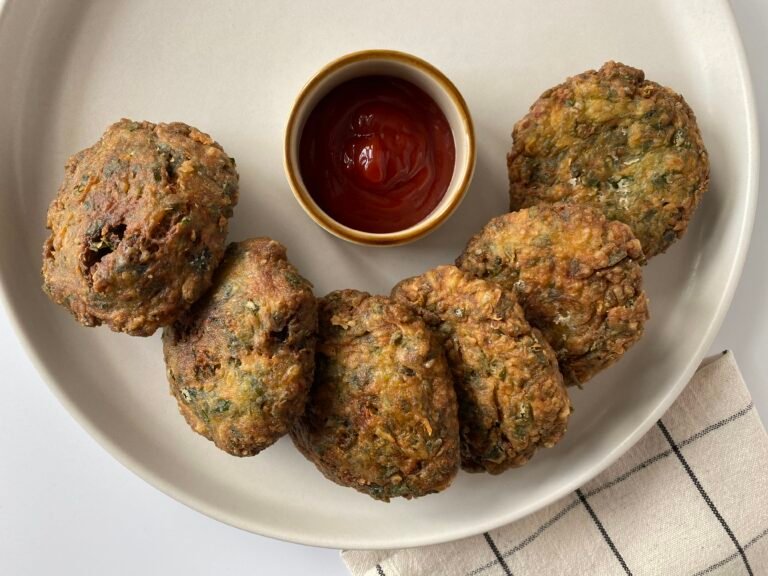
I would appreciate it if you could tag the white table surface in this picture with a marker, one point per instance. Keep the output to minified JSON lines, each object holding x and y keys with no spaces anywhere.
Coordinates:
{"x":67,"y":507}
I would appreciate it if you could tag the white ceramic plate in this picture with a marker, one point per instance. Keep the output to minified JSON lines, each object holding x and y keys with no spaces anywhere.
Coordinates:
{"x":70,"y":68}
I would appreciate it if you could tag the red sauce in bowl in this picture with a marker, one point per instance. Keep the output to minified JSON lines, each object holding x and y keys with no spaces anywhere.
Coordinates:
{"x":377,"y":154}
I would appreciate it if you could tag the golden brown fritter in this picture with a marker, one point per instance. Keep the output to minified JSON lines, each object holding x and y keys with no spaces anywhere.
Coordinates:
{"x":139,"y":225}
{"x":576,"y":275}
{"x":382,"y":415}
{"x":623,"y":144}
{"x":240,"y":362}
{"x":510,"y":391}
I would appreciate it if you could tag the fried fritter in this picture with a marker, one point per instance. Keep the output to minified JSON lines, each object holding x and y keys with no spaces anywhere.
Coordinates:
{"x":139,"y":225}
{"x":576,"y":275}
{"x":382,"y":415}
{"x":510,"y":391}
{"x":240,"y":362}
{"x":623,"y":144}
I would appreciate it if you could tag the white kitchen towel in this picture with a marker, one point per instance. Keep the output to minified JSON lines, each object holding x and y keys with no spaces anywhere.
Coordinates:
{"x":690,"y":498}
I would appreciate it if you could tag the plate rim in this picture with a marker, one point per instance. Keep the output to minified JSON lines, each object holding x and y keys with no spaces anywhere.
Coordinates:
{"x":200,"y":505}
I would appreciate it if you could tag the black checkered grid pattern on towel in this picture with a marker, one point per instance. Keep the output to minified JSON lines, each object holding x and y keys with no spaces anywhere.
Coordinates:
{"x":691,"y":498}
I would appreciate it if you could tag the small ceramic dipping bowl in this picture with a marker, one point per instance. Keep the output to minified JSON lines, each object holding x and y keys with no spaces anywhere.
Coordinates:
{"x":425,"y":77}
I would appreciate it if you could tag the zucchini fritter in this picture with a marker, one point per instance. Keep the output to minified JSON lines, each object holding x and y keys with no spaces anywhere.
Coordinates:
{"x":382,"y":415}
{"x":139,"y":225}
{"x":576,"y":275}
{"x":510,"y":391}
{"x":240,"y":362}
{"x":623,"y":144}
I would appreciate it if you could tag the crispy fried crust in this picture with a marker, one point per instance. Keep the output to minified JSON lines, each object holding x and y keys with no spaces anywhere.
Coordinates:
{"x":576,"y":275}
{"x":139,"y":225}
{"x":618,"y":142}
{"x":510,"y":391}
{"x":240,"y":363}
{"x":382,"y":415}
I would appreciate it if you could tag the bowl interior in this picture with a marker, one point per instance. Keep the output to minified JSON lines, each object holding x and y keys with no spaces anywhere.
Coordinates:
{"x":422,"y":75}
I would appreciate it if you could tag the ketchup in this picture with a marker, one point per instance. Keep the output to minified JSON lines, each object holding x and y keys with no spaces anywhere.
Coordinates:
{"x":377,"y":154}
